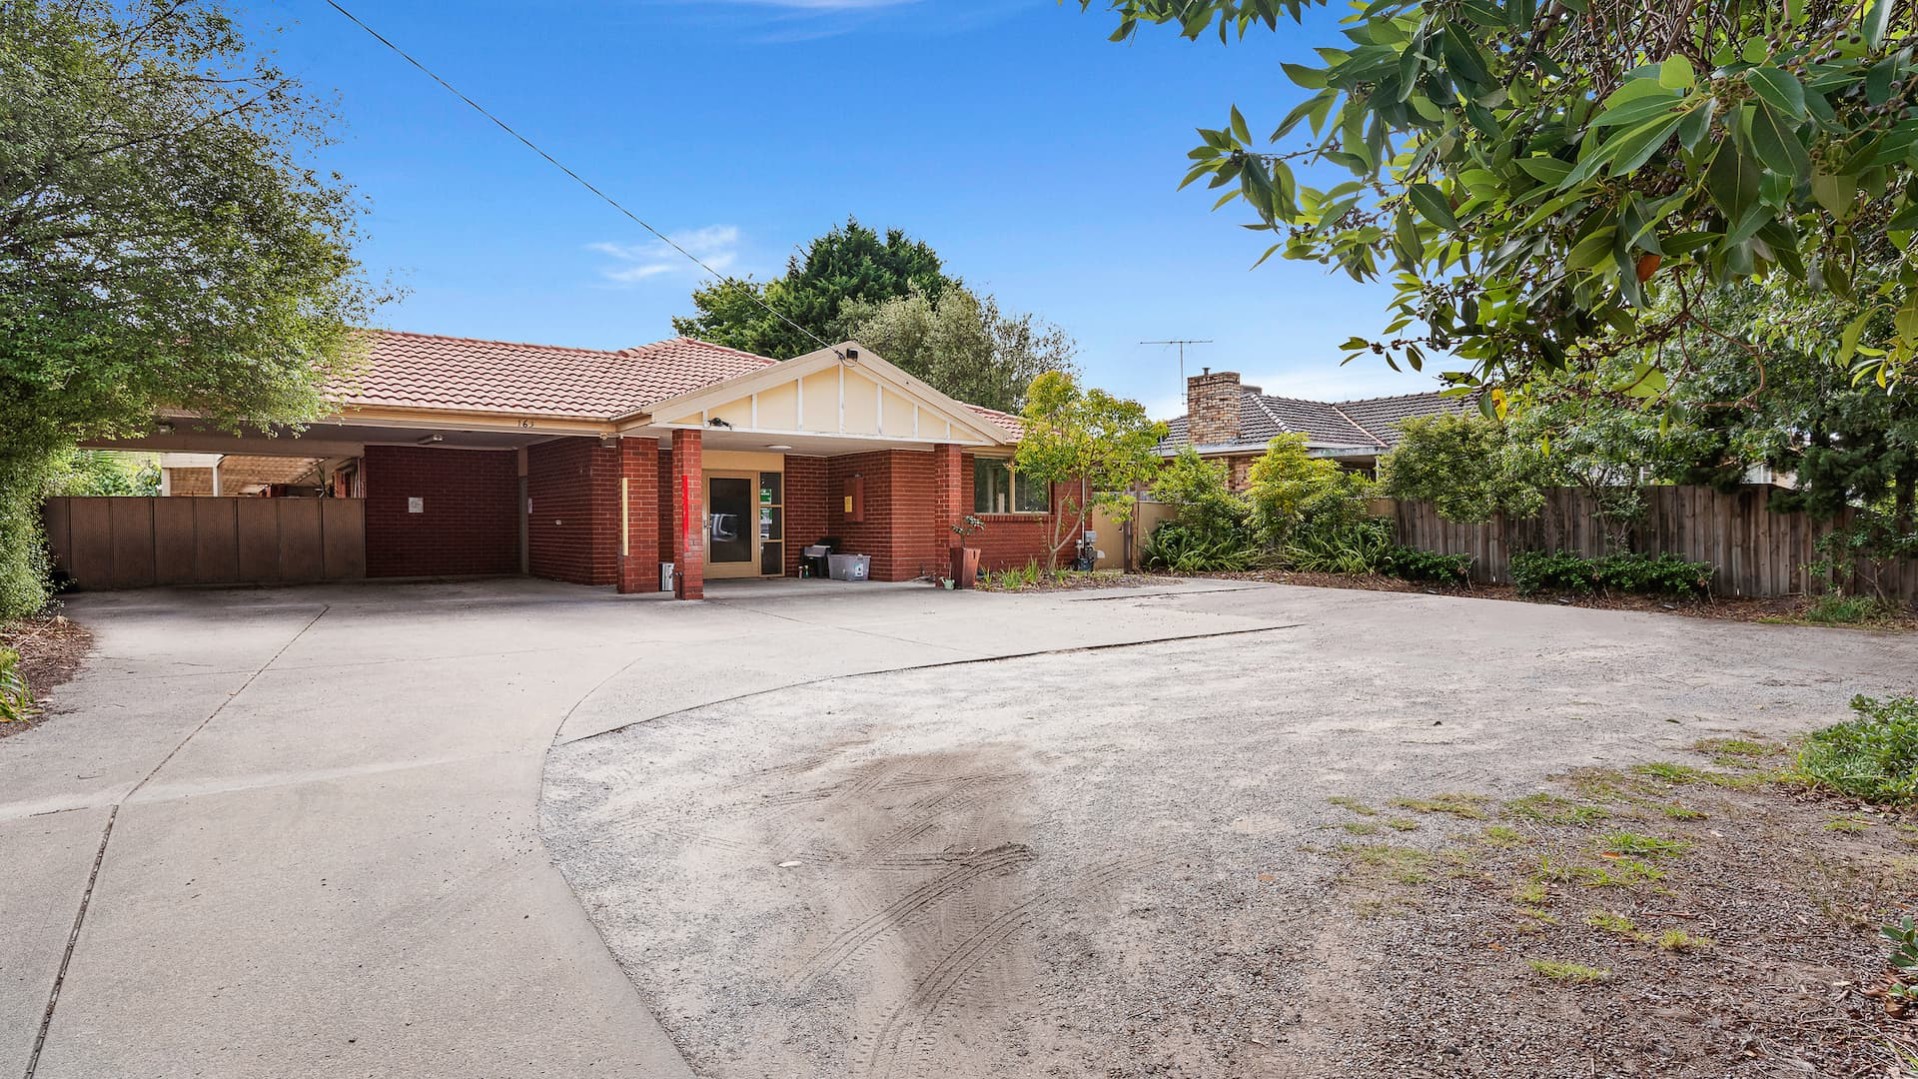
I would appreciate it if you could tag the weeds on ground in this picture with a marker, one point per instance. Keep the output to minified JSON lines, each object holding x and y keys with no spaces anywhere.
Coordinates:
{"x":1832,"y":609}
{"x":1575,"y":973}
{"x":1553,"y":809}
{"x":1500,"y":835}
{"x":1737,"y":752}
{"x":1613,"y":923}
{"x":1469,"y":806}
{"x":1353,"y":804}
{"x":1873,"y":757}
{"x":1677,"y":940}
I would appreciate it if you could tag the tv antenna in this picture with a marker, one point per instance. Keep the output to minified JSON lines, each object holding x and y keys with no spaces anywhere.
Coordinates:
{"x":1181,"y":342}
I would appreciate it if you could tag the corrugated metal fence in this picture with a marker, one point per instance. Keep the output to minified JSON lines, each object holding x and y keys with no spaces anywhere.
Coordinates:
{"x":1757,"y":552}
{"x":122,"y":542}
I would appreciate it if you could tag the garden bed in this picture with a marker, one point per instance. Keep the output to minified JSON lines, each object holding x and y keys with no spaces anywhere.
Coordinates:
{"x":1779,"y":609}
{"x":52,"y":649}
{"x":1033,"y":579}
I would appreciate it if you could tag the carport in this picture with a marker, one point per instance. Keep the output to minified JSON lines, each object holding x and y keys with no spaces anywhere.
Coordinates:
{"x":452,"y":457}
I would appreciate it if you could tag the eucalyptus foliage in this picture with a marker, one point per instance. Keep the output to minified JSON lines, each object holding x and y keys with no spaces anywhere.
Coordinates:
{"x":1532,"y":176}
{"x":962,"y":344}
{"x":163,"y":244}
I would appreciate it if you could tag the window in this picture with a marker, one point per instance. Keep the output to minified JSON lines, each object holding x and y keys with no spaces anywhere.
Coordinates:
{"x":996,"y":488}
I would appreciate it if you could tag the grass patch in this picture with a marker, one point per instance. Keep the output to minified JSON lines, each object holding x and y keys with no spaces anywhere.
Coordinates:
{"x":1532,"y":893}
{"x":1872,"y":757}
{"x":1354,"y":805}
{"x":1737,"y":752}
{"x":1847,"y":824}
{"x":1400,"y":865}
{"x":1677,"y":940}
{"x":1469,"y":806}
{"x":1575,"y":973}
{"x":1402,"y":824}
{"x":1613,"y":923}
{"x":1501,"y":835}
{"x":1638,"y":844}
{"x":1623,"y":873}
{"x":1553,"y":809}
{"x":1680,"y":774}
{"x":1361,"y":827}
{"x":1832,"y":609}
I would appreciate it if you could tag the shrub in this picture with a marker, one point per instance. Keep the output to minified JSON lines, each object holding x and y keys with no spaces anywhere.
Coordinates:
{"x":1661,"y":575}
{"x":1177,"y":547}
{"x":1291,"y":488}
{"x":16,"y":698}
{"x":1837,"y":609}
{"x":1552,"y":571}
{"x":1873,"y":757}
{"x":1564,"y":571}
{"x":1416,"y":565}
{"x":1361,"y":547}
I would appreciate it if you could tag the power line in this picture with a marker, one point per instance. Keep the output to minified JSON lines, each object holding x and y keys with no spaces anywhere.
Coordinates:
{"x":556,"y":163}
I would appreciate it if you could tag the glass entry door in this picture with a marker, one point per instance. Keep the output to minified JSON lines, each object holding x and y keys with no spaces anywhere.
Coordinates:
{"x":732,"y":518}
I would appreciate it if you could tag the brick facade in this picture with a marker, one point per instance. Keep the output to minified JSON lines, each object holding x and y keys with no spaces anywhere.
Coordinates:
{"x":1212,"y":408}
{"x":572,"y":529}
{"x":1010,"y":540}
{"x":469,"y":519}
{"x":806,"y":507}
{"x":689,"y":515}
{"x":639,"y":490}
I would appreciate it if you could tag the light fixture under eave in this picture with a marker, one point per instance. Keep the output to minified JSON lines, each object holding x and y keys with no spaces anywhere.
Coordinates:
{"x":428,"y":440}
{"x":781,"y":449}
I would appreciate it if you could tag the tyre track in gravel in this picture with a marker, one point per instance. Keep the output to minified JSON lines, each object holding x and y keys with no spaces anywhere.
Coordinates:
{"x":938,"y":981}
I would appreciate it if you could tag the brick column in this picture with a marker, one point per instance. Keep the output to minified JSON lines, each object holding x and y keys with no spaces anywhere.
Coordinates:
{"x":948,"y":490}
{"x":689,"y":516}
{"x":639,"y":495}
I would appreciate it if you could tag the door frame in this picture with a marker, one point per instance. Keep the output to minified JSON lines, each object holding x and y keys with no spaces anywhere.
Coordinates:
{"x":750,"y":521}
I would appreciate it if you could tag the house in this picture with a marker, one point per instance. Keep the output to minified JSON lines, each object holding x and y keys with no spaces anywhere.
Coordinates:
{"x":453,"y":456}
{"x":1232,"y":423}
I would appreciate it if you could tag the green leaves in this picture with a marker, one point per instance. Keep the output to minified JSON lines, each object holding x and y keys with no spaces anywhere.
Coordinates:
{"x":1732,"y":181}
{"x":1776,"y":142}
{"x":1432,"y":205}
{"x":1779,"y":90}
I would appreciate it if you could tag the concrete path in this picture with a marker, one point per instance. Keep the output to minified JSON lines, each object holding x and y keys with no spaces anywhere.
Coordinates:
{"x":294,"y":832}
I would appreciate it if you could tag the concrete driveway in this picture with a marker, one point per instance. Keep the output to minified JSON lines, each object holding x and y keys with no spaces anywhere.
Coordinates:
{"x":294,"y":832}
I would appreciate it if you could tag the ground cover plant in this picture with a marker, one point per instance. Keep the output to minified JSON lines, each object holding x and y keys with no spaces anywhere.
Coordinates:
{"x":1534,"y":572}
{"x":1873,"y":757}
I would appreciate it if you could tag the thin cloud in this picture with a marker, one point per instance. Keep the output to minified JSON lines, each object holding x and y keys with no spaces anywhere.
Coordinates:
{"x":715,"y":245}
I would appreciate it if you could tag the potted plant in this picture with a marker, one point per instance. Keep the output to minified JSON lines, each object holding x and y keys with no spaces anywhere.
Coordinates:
{"x":965,"y":560}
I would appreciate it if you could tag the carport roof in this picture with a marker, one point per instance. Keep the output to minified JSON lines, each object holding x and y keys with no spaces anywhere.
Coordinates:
{"x":463,"y":374}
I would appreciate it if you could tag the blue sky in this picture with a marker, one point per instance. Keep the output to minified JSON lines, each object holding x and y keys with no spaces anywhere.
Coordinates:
{"x":1039,"y":159}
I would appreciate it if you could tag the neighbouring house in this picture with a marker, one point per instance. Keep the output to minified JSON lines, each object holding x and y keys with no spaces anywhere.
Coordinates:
{"x":452,"y":456}
{"x":1232,"y":423}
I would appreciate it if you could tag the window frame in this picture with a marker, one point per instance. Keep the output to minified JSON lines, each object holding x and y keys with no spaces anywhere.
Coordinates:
{"x":1015,"y":485}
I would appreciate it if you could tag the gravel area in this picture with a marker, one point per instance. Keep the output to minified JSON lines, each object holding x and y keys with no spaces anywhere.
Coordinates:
{"x":1125,"y":862}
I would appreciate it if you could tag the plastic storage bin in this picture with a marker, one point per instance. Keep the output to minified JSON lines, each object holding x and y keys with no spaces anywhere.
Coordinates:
{"x":849,"y":567}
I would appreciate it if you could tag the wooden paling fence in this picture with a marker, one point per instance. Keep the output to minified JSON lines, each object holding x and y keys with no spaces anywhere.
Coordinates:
{"x":124,"y":542}
{"x":1756,"y":551}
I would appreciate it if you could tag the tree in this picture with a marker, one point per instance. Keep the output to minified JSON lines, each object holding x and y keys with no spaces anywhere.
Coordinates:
{"x":1290,"y":488}
{"x":162,"y":245}
{"x":1089,"y":448}
{"x":1468,"y":467}
{"x":851,"y":263}
{"x":1534,"y":177}
{"x":105,"y":472}
{"x":961,"y":344}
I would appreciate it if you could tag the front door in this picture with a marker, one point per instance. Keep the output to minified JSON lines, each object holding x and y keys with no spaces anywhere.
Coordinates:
{"x":732,"y":533}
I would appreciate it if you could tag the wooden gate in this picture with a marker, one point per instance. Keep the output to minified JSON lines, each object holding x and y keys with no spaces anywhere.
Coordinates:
{"x":121,"y":542}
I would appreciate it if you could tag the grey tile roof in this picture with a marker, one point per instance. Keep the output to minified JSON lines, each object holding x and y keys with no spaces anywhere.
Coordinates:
{"x":1371,"y":422}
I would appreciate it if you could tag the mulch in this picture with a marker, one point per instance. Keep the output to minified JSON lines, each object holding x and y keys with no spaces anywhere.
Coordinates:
{"x":52,"y":649}
{"x":1780,"y":609}
{"x":1074,"y":581}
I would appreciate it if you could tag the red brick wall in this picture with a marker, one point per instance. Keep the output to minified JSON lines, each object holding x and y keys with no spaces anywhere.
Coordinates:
{"x":689,"y":547}
{"x":1011,"y":540}
{"x":806,"y":507}
{"x":572,"y":533}
{"x":469,"y":522}
{"x":639,"y":482}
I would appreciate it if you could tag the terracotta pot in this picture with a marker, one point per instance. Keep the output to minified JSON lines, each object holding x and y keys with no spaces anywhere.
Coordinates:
{"x":965,"y":566}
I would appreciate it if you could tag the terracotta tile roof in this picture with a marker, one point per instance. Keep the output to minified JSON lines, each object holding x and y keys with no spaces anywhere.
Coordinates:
{"x":1371,"y":422}
{"x":416,"y":370}
{"x":1006,"y":421}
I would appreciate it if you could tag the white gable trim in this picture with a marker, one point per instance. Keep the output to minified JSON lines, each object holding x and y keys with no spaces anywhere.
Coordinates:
{"x":935,"y":416}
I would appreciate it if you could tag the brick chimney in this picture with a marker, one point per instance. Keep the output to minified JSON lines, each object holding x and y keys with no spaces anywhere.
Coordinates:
{"x":1212,"y":407}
